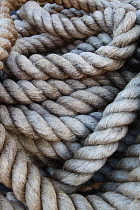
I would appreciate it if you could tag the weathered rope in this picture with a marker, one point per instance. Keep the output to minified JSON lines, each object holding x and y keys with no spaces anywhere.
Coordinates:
{"x":29,"y":183}
{"x":127,"y":178}
{"x":121,"y":98}
{"x":69,"y":131}
{"x":76,"y":66}
{"x":62,"y":149}
{"x":6,"y":204}
{"x":90,"y":6}
{"x":90,"y":45}
{"x":8,"y":33}
{"x":57,"y":23}
{"x":135,"y":3}
{"x":111,"y":172}
{"x":45,"y":42}
{"x":25,"y":92}
{"x":26,"y":29}
{"x":110,"y":130}
{"x":40,"y":123}
{"x":38,"y":43}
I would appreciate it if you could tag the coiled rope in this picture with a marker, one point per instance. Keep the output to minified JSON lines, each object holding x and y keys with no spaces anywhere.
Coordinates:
{"x":89,"y":137}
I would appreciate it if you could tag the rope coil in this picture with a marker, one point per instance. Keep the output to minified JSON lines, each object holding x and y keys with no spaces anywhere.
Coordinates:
{"x":61,"y":116}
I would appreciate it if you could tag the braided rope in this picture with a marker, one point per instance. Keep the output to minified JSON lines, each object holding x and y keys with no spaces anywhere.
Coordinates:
{"x":40,"y":123}
{"x":44,"y":42}
{"x":64,"y":150}
{"x":128,"y":173}
{"x":134,"y":3}
{"x":90,"y":45}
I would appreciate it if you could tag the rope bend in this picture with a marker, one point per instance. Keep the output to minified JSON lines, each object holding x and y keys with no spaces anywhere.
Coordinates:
{"x":86,"y":63}
{"x":43,"y":191}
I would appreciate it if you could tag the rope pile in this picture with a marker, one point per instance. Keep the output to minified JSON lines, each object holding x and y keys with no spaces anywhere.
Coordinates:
{"x":69,"y":104}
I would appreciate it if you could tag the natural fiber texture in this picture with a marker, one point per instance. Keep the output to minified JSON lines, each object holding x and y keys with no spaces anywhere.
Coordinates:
{"x":90,"y":6}
{"x":39,"y":123}
{"x":125,"y":179}
{"x":25,"y":28}
{"x":10,"y":203}
{"x":90,"y":45}
{"x":38,"y":43}
{"x":76,"y":66}
{"x":8,"y":34}
{"x":26,"y":92}
{"x":66,"y":129}
{"x":121,"y":98}
{"x":117,"y":168}
{"x":44,"y":194}
{"x":45,"y":42}
{"x":60,"y":25}
{"x":107,"y":127}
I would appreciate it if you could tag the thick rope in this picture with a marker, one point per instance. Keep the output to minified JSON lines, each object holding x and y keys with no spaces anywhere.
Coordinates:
{"x":25,"y":92}
{"x":45,"y":42}
{"x":90,"y":6}
{"x":44,"y":194}
{"x":8,"y":33}
{"x":76,"y":66}
{"x":133,"y":85}
{"x":10,"y":203}
{"x":62,"y":149}
{"x":127,"y":178}
{"x":38,"y":43}
{"x":40,"y":123}
{"x":111,"y":172}
{"x":90,"y":45}
{"x":26,"y":29}
{"x":128,"y":163}
{"x":18,"y":173}
{"x":107,"y":132}
{"x":60,"y":25}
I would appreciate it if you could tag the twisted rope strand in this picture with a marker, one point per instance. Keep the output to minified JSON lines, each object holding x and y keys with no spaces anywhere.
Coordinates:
{"x":9,"y":203}
{"x":38,"y":43}
{"x":90,"y":6}
{"x":78,"y":27}
{"x":76,"y":66}
{"x":116,"y":170}
{"x":17,"y":170}
{"x":37,"y":90}
{"x":63,"y":150}
{"x":44,"y":194}
{"x":37,"y":124}
{"x":26,"y":29}
{"x":8,"y":33}
{"x":90,"y":45}
{"x":107,"y":132}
